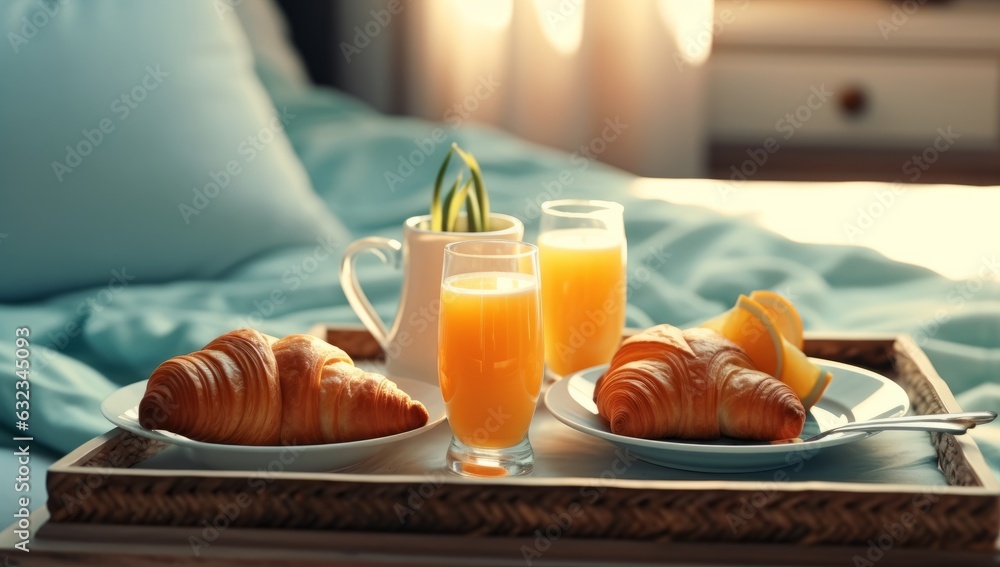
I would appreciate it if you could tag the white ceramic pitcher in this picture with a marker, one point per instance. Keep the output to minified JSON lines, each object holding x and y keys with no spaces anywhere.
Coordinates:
{"x":411,"y":344}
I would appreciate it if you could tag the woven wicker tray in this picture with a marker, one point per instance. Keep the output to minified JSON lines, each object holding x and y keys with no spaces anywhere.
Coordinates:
{"x":97,"y":484}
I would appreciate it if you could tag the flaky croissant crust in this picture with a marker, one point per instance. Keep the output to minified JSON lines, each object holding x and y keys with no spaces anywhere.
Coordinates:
{"x":352,"y":404}
{"x":693,"y":384}
{"x":247,"y":388}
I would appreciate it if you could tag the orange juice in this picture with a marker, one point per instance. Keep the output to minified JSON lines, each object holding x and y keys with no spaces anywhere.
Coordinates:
{"x":583,"y":296}
{"x":490,"y":356}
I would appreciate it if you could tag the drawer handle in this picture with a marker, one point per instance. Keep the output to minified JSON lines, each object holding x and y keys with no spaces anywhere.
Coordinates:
{"x":853,"y":101}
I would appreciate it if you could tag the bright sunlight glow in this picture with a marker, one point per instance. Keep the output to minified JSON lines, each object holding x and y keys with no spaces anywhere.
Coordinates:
{"x":562,"y":23}
{"x":493,"y":14}
{"x":954,"y":245}
{"x":690,"y":23}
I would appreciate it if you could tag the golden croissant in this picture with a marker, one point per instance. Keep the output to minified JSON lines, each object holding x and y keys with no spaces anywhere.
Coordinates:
{"x":693,"y":384}
{"x":247,"y":388}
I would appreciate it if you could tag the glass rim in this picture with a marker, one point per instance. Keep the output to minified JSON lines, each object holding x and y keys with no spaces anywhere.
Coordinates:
{"x":600,"y":206}
{"x":529,"y":248}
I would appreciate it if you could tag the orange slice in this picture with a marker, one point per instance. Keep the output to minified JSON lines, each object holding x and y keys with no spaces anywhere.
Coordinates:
{"x":749,"y":326}
{"x":784,"y":315}
{"x":769,"y":329}
{"x":807,"y":380}
{"x":716,"y":323}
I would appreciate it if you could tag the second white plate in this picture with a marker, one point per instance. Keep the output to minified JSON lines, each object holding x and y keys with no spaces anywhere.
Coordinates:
{"x":854,"y":394}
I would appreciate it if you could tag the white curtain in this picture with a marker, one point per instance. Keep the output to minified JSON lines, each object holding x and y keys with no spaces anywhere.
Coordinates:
{"x":622,"y":79}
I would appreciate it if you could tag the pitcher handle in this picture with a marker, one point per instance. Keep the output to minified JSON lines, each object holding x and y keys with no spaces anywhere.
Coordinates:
{"x":387,"y":250}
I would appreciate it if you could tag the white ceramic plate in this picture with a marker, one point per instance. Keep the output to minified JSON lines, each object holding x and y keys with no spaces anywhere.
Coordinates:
{"x":854,"y":394}
{"x":121,"y":408}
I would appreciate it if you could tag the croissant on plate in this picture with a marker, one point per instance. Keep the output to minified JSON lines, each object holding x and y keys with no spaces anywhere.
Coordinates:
{"x":248,"y":388}
{"x":693,"y":384}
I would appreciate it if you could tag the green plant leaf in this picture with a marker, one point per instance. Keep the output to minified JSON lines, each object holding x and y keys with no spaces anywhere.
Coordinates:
{"x":456,"y":198}
{"x":477,"y":178}
{"x":450,"y":203}
{"x":437,"y":216}
{"x":446,"y":203}
{"x":445,"y":209}
{"x":473,"y":212}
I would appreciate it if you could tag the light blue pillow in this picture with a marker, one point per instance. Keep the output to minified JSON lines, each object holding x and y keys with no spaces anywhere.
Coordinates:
{"x":138,"y":139}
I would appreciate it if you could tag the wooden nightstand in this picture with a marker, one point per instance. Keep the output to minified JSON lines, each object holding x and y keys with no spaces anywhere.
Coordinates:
{"x":856,"y":90}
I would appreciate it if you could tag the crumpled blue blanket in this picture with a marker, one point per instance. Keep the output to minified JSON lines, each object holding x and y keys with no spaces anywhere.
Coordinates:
{"x":685,"y":265}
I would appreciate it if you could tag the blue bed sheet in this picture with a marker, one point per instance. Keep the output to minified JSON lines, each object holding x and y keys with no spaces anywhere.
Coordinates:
{"x":685,"y":265}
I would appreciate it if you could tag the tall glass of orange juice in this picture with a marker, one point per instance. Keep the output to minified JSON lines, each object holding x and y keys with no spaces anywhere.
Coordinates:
{"x":490,"y":354}
{"x":582,"y":252}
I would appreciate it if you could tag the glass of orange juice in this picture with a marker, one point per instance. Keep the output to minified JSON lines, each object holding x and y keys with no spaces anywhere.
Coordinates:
{"x":582,"y":252}
{"x":490,"y":354}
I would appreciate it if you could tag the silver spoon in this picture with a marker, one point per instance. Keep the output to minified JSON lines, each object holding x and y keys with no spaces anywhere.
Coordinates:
{"x":954,"y":423}
{"x":975,"y":417}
